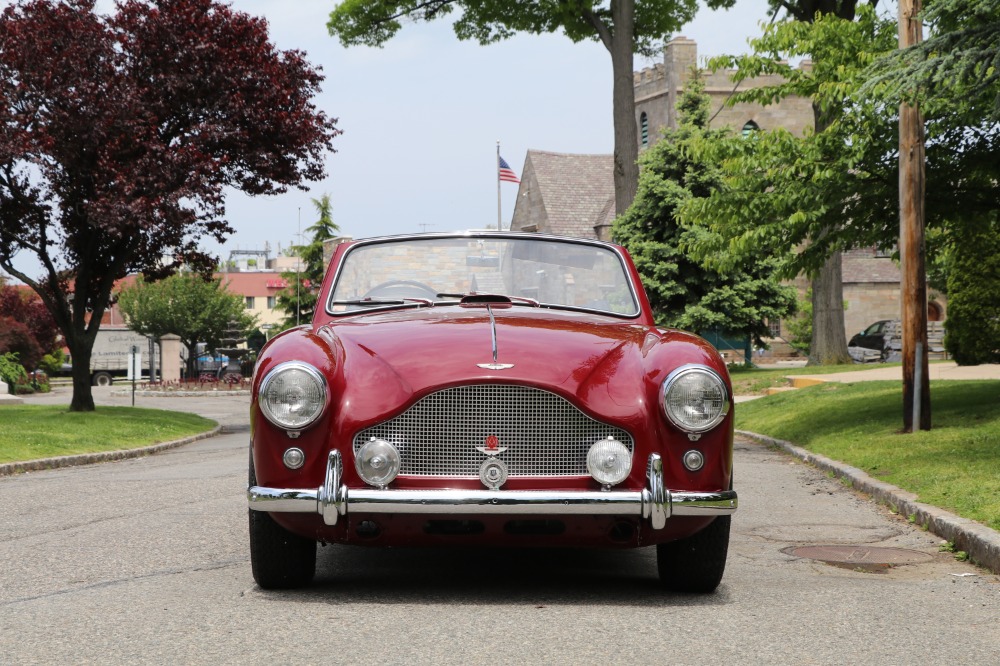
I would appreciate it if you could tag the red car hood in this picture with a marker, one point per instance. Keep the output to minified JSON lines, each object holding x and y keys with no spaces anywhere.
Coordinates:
{"x":423,"y":350}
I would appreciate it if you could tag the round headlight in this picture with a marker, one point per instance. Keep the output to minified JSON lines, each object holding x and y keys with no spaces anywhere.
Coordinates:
{"x":695,"y":398}
{"x":609,"y":461}
{"x":293,"y":395}
{"x":377,"y":461}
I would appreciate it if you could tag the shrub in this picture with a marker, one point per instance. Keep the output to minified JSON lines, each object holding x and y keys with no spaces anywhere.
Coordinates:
{"x":11,"y":371}
{"x":16,"y":338}
{"x":972,"y":330}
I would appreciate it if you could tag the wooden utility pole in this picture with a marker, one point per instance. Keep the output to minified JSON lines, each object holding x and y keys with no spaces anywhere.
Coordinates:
{"x":913,"y":289}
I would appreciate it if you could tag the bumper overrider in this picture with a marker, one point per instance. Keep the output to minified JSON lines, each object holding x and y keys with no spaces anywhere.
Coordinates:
{"x":333,"y":499}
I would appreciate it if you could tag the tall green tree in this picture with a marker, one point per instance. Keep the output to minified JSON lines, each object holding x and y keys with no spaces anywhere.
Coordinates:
{"x":624,"y":27}
{"x":121,"y":133}
{"x":684,"y":292}
{"x":186,"y":305}
{"x":298,"y":299}
{"x":798,"y":197}
{"x":829,"y":338}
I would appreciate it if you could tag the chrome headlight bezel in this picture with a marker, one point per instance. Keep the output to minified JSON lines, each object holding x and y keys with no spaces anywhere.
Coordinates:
{"x":672,"y":381}
{"x":313,"y":374}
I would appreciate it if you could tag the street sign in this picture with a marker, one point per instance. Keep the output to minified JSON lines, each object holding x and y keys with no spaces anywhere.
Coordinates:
{"x":134,"y":364}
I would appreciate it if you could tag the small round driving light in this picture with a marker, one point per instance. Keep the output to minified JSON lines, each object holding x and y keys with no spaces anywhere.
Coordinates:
{"x":695,"y":398}
{"x":609,"y":461}
{"x":377,"y":461}
{"x":694,"y":460}
{"x":294,"y":458}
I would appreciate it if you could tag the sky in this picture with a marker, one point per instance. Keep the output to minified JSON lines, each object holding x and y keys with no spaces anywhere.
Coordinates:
{"x":421,"y":118}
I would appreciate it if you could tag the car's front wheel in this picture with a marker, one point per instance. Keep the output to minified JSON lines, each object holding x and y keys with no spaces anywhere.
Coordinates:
{"x":279,"y":559}
{"x":695,"y":564}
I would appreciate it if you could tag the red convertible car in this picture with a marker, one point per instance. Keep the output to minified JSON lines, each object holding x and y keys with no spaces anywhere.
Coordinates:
{"x":489,"y":388}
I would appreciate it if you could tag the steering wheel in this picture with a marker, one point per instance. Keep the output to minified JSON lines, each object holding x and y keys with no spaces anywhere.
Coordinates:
{"x":402,"y":289}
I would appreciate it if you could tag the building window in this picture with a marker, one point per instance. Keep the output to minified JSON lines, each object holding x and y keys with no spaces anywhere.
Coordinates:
{"x":644,"y":128}
{"x":774,"y":328}
{"x":749,"y":128}
{"x":271,"y":302}
{"x":250,"y":304}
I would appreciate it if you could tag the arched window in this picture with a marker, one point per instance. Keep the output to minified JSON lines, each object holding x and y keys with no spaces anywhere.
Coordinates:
{"x":750,"y":127}
{"x":644,"y":129}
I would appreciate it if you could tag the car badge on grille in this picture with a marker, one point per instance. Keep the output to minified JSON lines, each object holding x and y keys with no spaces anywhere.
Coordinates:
{"x":492,"y":447}
{"x":493,"y":471}
{"x":495,"y":366}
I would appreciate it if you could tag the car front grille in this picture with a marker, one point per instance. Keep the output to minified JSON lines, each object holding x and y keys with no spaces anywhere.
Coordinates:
{"x":544,"y":434}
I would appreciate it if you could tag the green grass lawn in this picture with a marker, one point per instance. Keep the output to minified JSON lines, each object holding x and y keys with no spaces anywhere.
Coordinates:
{"x":955,"y":466}
{"x":30,"y":432}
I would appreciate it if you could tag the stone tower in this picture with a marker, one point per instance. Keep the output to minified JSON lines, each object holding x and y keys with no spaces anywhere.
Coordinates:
{"x":658,"y":88}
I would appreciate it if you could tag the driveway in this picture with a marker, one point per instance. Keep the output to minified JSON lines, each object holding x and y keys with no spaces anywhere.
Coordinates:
{"x":145,"y":561}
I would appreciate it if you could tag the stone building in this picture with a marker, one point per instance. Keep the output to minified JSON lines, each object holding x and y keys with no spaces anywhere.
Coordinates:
{"x":573,"y":195}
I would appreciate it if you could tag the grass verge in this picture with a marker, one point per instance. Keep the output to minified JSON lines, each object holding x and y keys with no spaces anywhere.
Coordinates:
{"x":756,"y":381}
{"x":953,"y":466}
{"x":31,"y":432}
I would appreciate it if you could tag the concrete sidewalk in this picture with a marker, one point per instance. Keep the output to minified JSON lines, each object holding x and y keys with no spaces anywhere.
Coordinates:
{"x":942,"y":370}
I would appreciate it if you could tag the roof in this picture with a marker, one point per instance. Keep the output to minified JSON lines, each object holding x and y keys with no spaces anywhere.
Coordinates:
{"x":864,"y":266}
{"x":577,"y":191}
{"x":256,"y":283}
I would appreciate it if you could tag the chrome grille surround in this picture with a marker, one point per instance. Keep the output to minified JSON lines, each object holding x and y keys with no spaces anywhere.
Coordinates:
{"x":545,"y":435}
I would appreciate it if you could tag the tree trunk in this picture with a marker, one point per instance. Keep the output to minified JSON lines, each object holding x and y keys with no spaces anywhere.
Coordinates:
{"x":829,"y":339}
{"x":626,"y":158}
{"x":80,"y":349}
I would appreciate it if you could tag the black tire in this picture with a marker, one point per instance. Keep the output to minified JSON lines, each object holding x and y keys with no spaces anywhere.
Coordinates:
{"x":279,"y":559}
{"x":102,"y":379}
{"x":695,"y":564}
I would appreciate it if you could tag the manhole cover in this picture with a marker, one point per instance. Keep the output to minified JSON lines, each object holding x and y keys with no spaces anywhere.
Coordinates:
{"x":863,"y":558}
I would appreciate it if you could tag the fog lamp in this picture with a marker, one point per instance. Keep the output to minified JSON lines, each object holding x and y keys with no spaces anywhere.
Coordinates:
{"x":694,"y":460}
{"x":377,"y":461}
{"x":609,"y":461}
{"x":294,"y":458}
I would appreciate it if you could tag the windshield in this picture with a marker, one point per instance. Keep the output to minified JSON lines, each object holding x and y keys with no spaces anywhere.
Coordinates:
{"x":438,"y":270}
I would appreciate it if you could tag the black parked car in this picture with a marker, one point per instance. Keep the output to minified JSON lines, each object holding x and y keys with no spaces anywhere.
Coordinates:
{"x":873,"y":337}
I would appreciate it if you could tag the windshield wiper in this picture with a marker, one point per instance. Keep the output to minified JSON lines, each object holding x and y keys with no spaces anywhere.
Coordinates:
{"x":384,"y":301}
{"x":486,"y":298}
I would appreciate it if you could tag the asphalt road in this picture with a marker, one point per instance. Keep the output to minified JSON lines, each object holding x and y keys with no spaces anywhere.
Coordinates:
{"x":146,"y":561}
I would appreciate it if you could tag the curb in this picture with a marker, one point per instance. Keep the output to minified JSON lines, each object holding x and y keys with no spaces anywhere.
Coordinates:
{"x":8,"y":469}
{"x":980,"y":542}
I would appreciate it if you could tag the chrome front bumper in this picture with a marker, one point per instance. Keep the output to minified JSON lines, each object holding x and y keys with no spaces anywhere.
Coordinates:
{"x":654,"y":503}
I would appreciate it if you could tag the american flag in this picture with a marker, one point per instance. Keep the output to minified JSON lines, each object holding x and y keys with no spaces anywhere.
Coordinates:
{"x":506,"y":173}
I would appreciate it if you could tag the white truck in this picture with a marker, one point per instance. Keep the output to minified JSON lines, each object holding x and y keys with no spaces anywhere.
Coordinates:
{"x":110,"y":356}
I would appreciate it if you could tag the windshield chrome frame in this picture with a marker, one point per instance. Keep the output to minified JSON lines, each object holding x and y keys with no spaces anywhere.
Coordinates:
{"x":492,"y":235}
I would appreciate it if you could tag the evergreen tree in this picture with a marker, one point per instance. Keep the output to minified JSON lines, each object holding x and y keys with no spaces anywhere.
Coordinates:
{"x":684,"y":292}
{"x":298,"y":299}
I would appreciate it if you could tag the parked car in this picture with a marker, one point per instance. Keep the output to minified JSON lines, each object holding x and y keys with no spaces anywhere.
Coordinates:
{"x":489,"y":388}
{"x":873,"y":338}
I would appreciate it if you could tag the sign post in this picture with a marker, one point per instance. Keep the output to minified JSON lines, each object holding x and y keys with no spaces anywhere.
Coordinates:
{"x":134,"y":367}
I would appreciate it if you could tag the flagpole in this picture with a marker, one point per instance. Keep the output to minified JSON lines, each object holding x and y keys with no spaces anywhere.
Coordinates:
{"x":499,"y":224}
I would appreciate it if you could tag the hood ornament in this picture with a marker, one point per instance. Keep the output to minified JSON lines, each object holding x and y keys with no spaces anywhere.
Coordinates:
{"x":493,"y":333}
